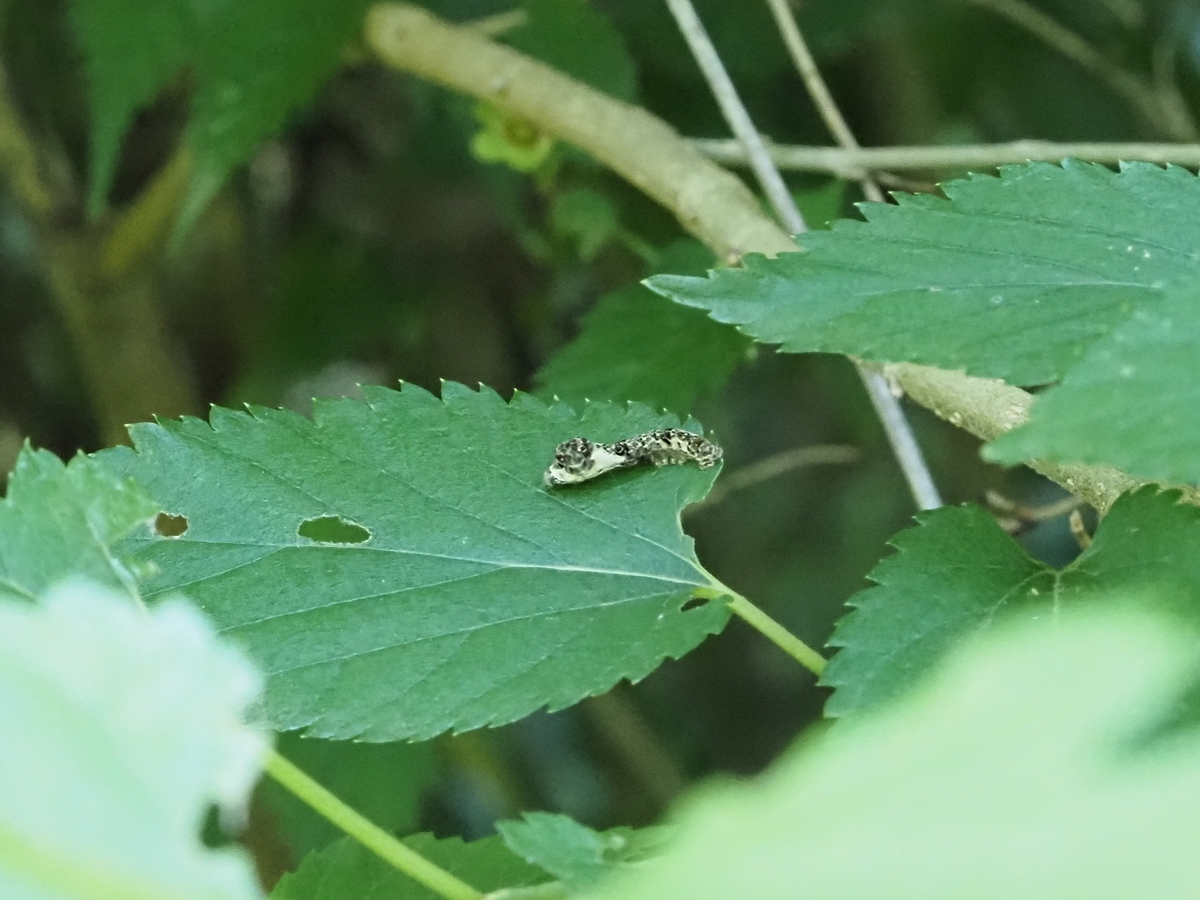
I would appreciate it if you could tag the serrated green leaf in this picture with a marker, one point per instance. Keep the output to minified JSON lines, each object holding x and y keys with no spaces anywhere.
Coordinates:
{"x":479,"y":596}
{"x":347,"y":869}
{"x":1008,"y":776}
{"x":575,"y":854}
{"x":383,"y":782}
{"x":636,"y":346}
{"x":60,"y":521}
{"x":950,"y":576}
{"x":576,"y":38}
{"x":121,"y":729}
{"x":1045,"y":273}
{"x":252,"y":63}
{"x":958,"y":573}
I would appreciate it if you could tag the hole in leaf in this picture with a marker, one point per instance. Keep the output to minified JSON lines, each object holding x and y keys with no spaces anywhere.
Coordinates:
{"x":694,"y":603}
{"x":333,"y":530}
{"x":169,"y":526}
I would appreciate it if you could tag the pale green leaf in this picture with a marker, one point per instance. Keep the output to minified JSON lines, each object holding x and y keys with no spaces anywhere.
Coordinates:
{"x":384,"y":782}
{"x":1045,"y":273}
{"x":957,"y":573}
{"x":1009,"y":775}
{"x":464,"y":593}
{"x":121,"y":728}
{"x":347,"y":869}
{"x":60,"y":521}
{"x":252,"y":63}
{"x":575,"y":854}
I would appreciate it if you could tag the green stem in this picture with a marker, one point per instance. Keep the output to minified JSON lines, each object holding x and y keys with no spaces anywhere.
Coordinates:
{"x":371,"y":836}
{"x":776,"y":633}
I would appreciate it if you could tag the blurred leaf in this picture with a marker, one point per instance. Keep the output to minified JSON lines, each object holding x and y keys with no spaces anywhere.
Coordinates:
{"x":347,"y":869}
{"x":251,"y":63}
{"x":1042,"y":273}
{"x":122,"y":728}
{"x":479,"y":596}
{"x":577,"y":39}
{"x":1005,"y":777}
{"x":588,"y":217}
{"x":60,"y":521}
{"x":575,"y":854}
{"x":384,"y":782}
{"x":958,"y":572}
{"x":636,"y":346}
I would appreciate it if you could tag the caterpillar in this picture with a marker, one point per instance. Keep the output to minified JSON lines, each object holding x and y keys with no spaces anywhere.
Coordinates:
{"x":579,"y":459}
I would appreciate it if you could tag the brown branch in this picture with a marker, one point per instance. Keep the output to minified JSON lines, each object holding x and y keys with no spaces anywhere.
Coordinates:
{"x":707,"y":200}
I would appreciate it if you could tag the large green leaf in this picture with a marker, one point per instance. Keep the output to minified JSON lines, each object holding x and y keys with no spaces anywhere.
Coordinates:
{"x":60,"y":521}
{"x":347,"y":869}
{"x":1010,"y":775}
{"x":958,"y":572}
{"x":575,"y":854}
{"x":636,"y":346}
{"x":251,"y":64}
{"x":1045,"y":273}
{"x":121,"y":728}
{"x":398,"y":568}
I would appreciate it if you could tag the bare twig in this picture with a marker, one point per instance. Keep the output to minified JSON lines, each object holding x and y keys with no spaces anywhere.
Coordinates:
{"x":736,"y":115}
{"x":852,"y":163}
{"x":887,"y":406}
{"x":774,"y":466}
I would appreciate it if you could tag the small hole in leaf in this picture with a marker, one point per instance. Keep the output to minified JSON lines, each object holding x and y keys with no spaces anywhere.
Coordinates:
{"x":333,"y":530}
{"x":694,"y":603}
{"x":169,"y":526}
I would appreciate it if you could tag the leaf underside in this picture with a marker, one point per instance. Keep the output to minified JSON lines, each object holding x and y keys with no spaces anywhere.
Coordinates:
{"x":478,"y":596}
{"x":958,"y":573}
{"x":1046,"y":273}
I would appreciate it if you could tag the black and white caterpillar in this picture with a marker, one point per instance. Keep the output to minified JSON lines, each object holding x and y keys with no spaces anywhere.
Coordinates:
{"x":579,"y":459}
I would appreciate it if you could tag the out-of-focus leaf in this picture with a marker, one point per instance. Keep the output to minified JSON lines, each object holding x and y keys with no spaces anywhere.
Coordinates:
{"x":1009,"y":775}
{"x":576,"y":38}
{"x":347,"y":869}
{"x":251,"y":64}
{"x":635,"y":346}
{"x":60,"y":521}
{"x":466,"y":594}
{"x":121,"y":728}
{"x":586,"y":216}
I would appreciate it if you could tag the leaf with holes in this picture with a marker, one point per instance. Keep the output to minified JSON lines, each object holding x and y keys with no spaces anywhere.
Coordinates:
{"x":251,"y":64}
{"x":1047,"y":273}
{"x":60,"y":522}
{"x":399,"y":569}
{"x":348,"y":869}
{"x":122,"y":729}
{"x":958,"y":573}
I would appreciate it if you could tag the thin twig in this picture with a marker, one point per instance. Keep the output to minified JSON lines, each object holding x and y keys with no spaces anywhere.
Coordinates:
{"x":773,"y":467}
{"x":887,"y":406}
{"x":802,"y":57}
{"x":852,"y":163}
{"x":1136,"y":91}
{"x":736,"y":115}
